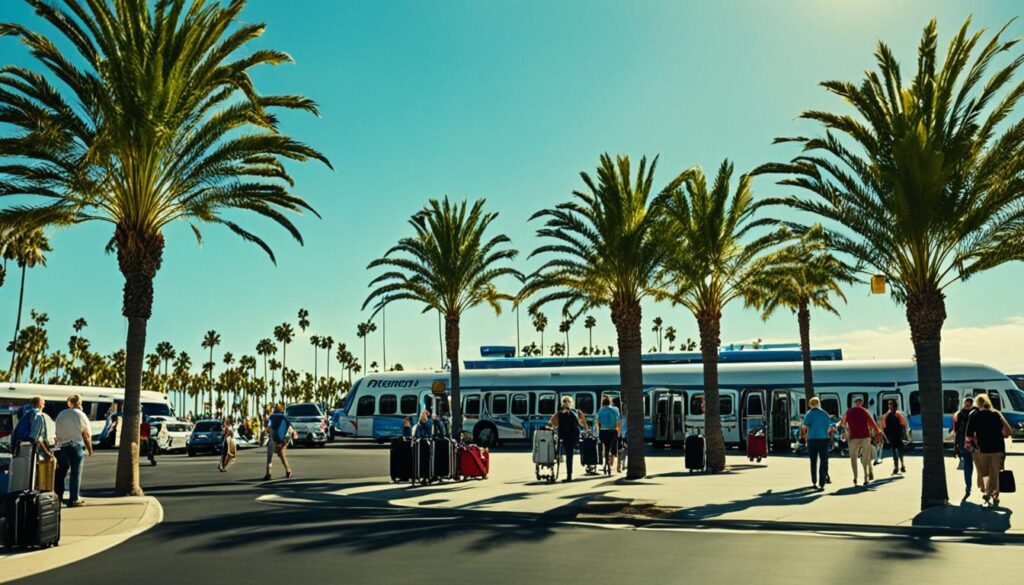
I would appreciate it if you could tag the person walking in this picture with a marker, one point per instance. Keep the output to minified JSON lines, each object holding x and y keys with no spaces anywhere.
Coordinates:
{"x":568,"y":422}
{"x":895,"y":429}
{"x":817,"y":433}
{"x":987,"y":431}
{"x":960,"y":451}
{"x":859,"y":425}
{"x":228,"y":449}
{"x":74,"y":441}
{"x":609,"y":426}
{"x":279,"y":431}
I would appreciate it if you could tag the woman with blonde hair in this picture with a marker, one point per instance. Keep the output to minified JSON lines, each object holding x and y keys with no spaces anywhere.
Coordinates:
{"x":987,"y":431}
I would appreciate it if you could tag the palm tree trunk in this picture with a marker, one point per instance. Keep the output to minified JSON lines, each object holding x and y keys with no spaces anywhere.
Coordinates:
{"x":17,"y":322}
{"x":451,"y":333}
{"x":284,"y":367}
{"x":926,"y":312}
{"x":710,"y":324}
{"x":803,"y":318}
{"x":627,"y":316}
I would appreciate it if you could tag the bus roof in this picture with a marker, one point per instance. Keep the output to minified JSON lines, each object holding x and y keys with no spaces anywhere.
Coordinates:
{"x":687,"y":357}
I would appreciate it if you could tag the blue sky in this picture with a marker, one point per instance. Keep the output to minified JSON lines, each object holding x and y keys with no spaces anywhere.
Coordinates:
{"x":510,"y":101}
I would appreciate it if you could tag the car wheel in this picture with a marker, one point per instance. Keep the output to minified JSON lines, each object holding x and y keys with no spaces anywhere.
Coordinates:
{"x":191,"y":453}
{"x":485,"y":435}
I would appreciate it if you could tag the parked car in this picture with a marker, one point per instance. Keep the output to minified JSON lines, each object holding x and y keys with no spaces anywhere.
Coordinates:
{"x":176,"y":437}
{"x":207,"y":436}
{"x":309,"y":423}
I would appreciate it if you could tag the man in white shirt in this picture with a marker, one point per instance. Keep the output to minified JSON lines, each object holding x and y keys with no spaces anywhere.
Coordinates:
{"x":73,"y":441}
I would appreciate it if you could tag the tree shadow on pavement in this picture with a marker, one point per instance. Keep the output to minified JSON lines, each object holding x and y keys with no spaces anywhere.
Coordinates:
{"x":966,"y":516}
{"x":793,"y":497}
{"x":906,"y":549}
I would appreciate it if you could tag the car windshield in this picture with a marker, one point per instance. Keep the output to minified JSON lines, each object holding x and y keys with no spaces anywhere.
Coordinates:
{"x":156,"y":409}
{"x":1016,"y":399}
{"x":207,"y":427}
{"x":177,"y":428}
{"x":297,"y":410}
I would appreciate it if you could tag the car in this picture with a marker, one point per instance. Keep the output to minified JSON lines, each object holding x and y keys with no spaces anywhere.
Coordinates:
{"x":176,"y":436}
{"x":309,"y":423}
{"x":8,"y":419}
{"x":207,"y":436}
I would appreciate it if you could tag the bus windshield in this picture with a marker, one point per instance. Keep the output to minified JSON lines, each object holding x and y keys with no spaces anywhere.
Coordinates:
{"x":1016,"y":399}
{"x":156,"y":409}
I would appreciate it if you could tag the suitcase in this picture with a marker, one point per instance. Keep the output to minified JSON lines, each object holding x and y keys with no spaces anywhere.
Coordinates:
{"x":444,"y":466}
{"x":401,"y":459}
{"x":46,"y":474}
{"x":474,"y":462}
{"x":1007,"y":485}
{"x":22,"y":474}
{"x":32,"y":519}
{"x":757,"y":445}
{"x":695,"y":458}
{"x":590,"y":456}
{"x":545,"y":447}
{"x":422,"y":460}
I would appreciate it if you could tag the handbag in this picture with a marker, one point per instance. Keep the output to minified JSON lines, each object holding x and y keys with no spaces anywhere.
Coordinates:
{"x":969,"y":444}
{"x":1007,"y":485}
{"x":46,"y":472}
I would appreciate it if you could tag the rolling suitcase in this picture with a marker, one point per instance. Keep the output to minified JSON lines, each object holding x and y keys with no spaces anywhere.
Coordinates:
{"x":474,"y":462}
{"x":545,"y":454}
{"x":422,"y":460}
{"x":401,"y":459}
{"x":32,"y":519}
{"x":757,"y":445}
{"x":1007,"y":484}
{"x":444,"y":459}
{"x":22,"y":474}
{"x":589,"y":454}
{"x":696,"y":458}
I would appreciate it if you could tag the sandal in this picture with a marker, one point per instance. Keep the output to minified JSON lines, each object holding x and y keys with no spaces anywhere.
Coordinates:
{"x":266,"y":477}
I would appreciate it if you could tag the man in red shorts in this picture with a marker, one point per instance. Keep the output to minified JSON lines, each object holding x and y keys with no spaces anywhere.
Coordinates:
{"x":859,"y":424}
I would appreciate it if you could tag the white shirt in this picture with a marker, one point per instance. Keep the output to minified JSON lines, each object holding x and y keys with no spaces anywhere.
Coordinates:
{"x":70,"y":424}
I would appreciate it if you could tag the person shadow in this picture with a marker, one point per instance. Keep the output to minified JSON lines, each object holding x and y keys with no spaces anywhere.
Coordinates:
{"x":968,"y":516}
{"x":793,"y":497}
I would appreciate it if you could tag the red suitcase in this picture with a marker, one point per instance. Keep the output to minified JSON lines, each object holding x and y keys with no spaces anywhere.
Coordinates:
{"x":474,"y":462}
{"x":757,"y":445}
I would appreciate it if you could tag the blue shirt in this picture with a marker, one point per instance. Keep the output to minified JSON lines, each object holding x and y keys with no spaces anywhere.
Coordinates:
{"x":817,"y":422}
{"x":608,"y":417}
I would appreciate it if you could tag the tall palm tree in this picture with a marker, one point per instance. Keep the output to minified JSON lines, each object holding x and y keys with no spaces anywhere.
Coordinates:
{"x":922,"y":184}
{"x":605,"y":250}
{"x":564,"y":327}
{"x":799,"y":277}
{"x":658,"y":323}
{"x":265,"y":348}
{"x":28,"y":249}
{"x":362,"y":331}
{"x":182,"y":368}
{"x":540,"y":323}
{"x":314,"y":340}
{"x":589,"y":323}
{"x":670,"y":336}
{"x":210,"y":341}
{"x":327,"y":342}
{"x":710,"y":266}
{"x":284,"y":334}
{"x":165,"y":350}
{"x":274,"y":366}
{"x":450,"y":264}
{"x":156,"y":119}
{"x":303,"y":320}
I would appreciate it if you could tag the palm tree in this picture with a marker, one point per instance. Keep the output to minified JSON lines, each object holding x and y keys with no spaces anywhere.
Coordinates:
{"x":606,"y":250}
{"x":284,"y":334}
{"x":182,"y":368}
{"x":450,"y":265}
{"x":146,"y":129}
{"x":165,"y":350}
{"x":709,"y":267}
{"x":362,"y":331}
{"x":210,"y":341}
{"x":28,"y":249}
{"x":798,"y":277}
{"x":670,"y":335}
{"x":589,"y":323}
{"x":303,"y":320}
{"x":564,"y":327}
{"x":922,"y":184}
{"x":327,"y":342}
{"x":657,"y":330}
{"x":540,"y":323}
{"x":314,"y":340}
{"x":275,"y":366}
{"x":265,"y":348}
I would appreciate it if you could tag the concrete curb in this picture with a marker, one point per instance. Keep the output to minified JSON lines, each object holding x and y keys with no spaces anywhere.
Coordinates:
{"x":74,"y":548}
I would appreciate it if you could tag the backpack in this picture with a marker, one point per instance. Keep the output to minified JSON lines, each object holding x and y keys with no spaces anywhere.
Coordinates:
{"x":23,"y":431}
{"x":279,"y":424}
{"x":569,"y":424}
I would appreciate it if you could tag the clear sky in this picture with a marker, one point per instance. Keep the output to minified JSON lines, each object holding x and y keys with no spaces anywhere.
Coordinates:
{"x":510,"y":101}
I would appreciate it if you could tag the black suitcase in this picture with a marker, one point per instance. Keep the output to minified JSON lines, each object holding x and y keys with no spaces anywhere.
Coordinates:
{"x":1007,"y":484}
{"x":589,"y":456}
{"x":401,"y":459}
{"x":422,"y":460}
{"x":696,"y":458}
{"x":444,"y":459}
{"x":32,"y":519}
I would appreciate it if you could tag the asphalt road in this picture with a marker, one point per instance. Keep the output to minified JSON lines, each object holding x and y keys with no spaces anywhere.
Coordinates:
{"x":215,"y":530}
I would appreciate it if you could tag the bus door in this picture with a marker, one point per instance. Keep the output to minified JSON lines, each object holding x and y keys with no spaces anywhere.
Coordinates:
{"x":366,"y":408}
{"x":779,"y":433}
{"x":883,"y":402}
{"x":752,"y":415}
{"x":519,"y":415}
{"x":677,"y":432}
{"x":669,"y":417}
{"x":729,"y":410}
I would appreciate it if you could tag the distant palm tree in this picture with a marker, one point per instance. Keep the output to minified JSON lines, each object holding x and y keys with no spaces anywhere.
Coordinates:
{"x":265,"y":348}
{"x":450,"y":264}
{"x":670,"y":336}
{"x":303,"y":320}
{"x":165,"y":350}
{"x":540,"y":323}
{"x":182,"y":367}
{"x":362,"y":331}
{"x":657,"y":330}
{"x":924,"y":180}
{"x":284,"y":334}
{"x":28,"y":249}
{"x":798,"y":277}
{"x":606,"y":248}
{"x":564,"y":327}
{"x":327,"y":342}
{"x":155,"y":119}
{"x":589,"y":323}
{"x":275,"y":366}
{"x":210,"y":341}
{"x":314,"y":340}
{"x":712,"y":264}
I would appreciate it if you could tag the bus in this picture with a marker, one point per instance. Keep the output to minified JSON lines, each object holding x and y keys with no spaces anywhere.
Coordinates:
{"x":99,"y":404}
{"x":509,"y":404}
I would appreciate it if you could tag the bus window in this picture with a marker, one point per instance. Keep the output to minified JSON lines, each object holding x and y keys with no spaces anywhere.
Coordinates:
{"x":1016,"y":398}
{"x":697,"y":405}
{"x":647,"y":405}
{"x":499,"y":404}
{"x":831,"y":406}
{"x":754,"y":406}
{"x":915,"y":403}
{"x":546,"y":404}
{"x":388,"y":404}
{"x":725,"y":405}
{"x":617,"y":401}
{"x":997,"y":402}
{"x":803,"y":405}
{"x":950,"y":401}
{"x":53,"y":408}
{"x":428,"y":403}
{"x":585,"y":402}
{"x":366,"y":406}
{"x":407,"y":404}
{"x":472,"y":407}
{"x":520,"y":405}
{"x":854,"y":396}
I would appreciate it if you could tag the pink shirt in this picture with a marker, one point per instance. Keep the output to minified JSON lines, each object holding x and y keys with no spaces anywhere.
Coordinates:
{"x":859,"y":423}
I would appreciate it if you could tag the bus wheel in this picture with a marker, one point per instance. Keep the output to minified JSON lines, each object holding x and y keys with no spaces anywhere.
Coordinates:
{"x":485,"y":435}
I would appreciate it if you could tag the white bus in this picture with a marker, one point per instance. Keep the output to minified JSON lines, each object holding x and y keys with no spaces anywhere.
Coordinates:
{"x":97,"y":403}
{"x":509,"y":404}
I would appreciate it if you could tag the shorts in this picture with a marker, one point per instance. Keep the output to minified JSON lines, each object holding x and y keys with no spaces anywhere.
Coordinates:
{"x":610,"y":441}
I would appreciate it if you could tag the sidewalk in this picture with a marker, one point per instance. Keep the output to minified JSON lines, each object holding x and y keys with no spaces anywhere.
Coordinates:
{"x":85,"y":531}
{"x":773,"y":494}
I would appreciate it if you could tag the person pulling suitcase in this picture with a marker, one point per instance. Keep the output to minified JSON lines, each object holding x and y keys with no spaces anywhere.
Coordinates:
{"x":569,"y":423}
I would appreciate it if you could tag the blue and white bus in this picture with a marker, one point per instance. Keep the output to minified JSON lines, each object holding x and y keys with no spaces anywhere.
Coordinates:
{"x":508,"y":404}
